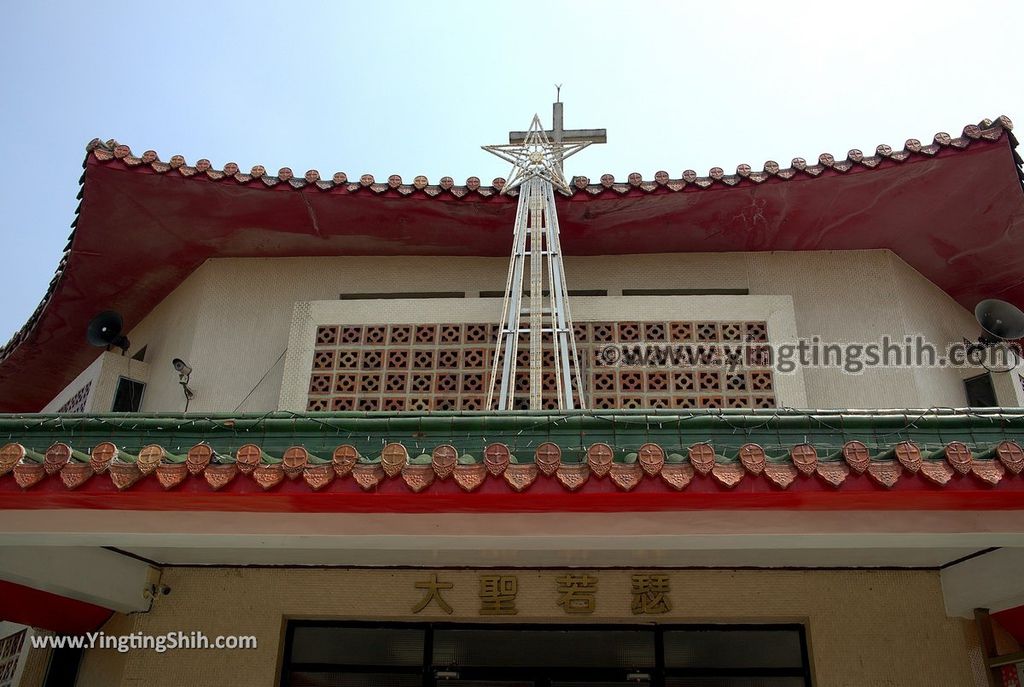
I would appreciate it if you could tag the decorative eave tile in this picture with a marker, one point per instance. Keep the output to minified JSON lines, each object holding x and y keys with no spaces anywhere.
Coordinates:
{"x":908,"y":455}
{"x":1011,"y":456}
{"x":780,"y":474}
{"x":702,"y":458}
{"x":988,"y":471}
{"x":10,"y":454}
{"x":101,"y":457}
{"x":805,"y":458}
{"x":651,"y":458}
{"x":885,"y":472}
{"x":123,"y":475}
{"x":418,"y":477}
{"x":548,"y":457}
{"x":344,"y":459}
{"x":218,"y":475}
{"x":728,"y":474}
{"x":677,"y":475}
{"x":247,"y":457}
{"x":497,"y":458}
{"x":573,"y":477}
{"x":443,"y":459}
{"x":149,"y":457}
{"x":367,"y":475}
{"x":470,"y":477}
{"x":268,"y":476}
{"x":626,"y":475}
{"x":318,"y":476}
{"x":294,"y":461}
{"x":959,"y":457}
{"x":74,"y":475}
{"x":170,"y":475}
{"x":938,"y":472}
{"x":599,"y":458}
{"x":29,"y":474}
{"x":393,"y":458}
{"x":57,"y":456}
{"x":753,"y":458}
{"x":833,"y":474}
{"x":519,"y":477}
{"x":198,"y":458}
{"x":857,"y":456}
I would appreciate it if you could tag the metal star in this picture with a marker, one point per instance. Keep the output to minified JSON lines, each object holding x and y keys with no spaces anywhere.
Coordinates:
{"x":537,"y":156}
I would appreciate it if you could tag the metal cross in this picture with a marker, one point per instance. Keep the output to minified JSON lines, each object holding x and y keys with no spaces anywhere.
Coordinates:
{"x":558,"y":134}
{"x":536,"y":157}
{"x":540,"y":152}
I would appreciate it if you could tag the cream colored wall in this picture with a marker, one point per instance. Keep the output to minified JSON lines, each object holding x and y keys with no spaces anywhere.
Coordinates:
{"x":878,"y":628}
{"x":231,"y":318}
{"x":104,"y":374}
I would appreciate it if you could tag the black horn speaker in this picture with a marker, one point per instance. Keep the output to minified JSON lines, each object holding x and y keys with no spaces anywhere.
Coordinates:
{"x":1000,"y":320}
{"x":104,"y":331}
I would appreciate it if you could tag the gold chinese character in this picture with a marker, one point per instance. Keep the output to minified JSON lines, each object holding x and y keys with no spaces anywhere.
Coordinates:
{"x":650,"y":594}
{"x":577,"y":593}
{"x":498,"y":594}
{"x":433,"y":593}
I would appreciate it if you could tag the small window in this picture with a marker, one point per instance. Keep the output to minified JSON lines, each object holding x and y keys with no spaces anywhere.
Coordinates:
{"x":128,"y":397}
{"x":980,"y":392}
{"x":400,"y":295}
{"x":63,"y":668}
{"x":685,"y":292}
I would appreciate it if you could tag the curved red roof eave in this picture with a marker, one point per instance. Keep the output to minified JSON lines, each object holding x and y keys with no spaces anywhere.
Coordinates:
{"x":953,"y":210}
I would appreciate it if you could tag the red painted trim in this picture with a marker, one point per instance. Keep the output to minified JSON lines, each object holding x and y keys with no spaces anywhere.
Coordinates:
{"x":36,"y":608}
{"x":1012,"y":620}
{"x":858,"y":492}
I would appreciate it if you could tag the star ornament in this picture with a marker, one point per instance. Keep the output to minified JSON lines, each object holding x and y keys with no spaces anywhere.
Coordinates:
{"x":537,"y":156}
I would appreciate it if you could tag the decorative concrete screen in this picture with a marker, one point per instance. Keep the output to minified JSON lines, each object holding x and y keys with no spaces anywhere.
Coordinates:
{"x":77,"y":403}
{"x":418,"y":367}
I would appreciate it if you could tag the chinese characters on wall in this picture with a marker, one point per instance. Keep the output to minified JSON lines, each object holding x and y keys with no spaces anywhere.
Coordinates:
{"x":577,"y":594}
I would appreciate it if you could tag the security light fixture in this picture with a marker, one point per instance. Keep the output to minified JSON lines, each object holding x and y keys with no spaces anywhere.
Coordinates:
{"x":184,"y":371}
{"x":181,"y":367}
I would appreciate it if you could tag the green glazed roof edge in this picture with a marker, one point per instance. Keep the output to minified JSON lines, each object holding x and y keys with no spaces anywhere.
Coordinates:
{"x":774,"y":429}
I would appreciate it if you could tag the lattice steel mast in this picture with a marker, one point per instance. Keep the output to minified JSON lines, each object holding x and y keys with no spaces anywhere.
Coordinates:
{"x":537,"y":156}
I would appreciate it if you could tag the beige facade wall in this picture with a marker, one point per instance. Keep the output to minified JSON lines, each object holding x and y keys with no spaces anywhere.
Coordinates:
{"x":103,"y":377}
{"x":879,"y":628}
{"x":231,"y":318}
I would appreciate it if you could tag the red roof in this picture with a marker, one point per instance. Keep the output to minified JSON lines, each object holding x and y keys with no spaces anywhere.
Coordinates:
{"x":953,"y":209}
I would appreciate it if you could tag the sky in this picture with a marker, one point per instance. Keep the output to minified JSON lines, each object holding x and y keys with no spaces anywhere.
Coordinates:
{"x":416,"y":88}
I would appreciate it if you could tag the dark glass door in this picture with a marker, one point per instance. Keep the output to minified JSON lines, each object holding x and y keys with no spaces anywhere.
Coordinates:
{"x":324,"y":654}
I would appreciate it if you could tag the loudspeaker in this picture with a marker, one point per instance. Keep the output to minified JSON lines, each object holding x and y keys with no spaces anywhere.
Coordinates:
{"x":1000,"y":320}
{"x":104,"y":331}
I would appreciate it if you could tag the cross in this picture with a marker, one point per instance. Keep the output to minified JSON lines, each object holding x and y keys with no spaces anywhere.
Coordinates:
{"x":558,"y":134}
{"x":536,"y":158}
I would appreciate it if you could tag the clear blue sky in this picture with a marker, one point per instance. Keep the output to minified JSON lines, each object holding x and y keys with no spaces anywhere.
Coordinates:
{"x":416,"y":88}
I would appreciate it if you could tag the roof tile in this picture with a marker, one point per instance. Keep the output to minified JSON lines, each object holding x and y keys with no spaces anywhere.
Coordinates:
{"x":899,"y":461}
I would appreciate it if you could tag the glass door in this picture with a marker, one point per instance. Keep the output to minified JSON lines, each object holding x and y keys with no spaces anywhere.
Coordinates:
{"x":371,"y":654}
